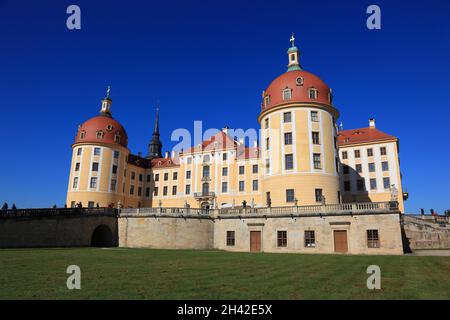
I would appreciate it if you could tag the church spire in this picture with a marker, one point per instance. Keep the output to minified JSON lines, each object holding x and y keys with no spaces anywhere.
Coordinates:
{"x":293,"y":54}
{"x":106,"y":104}
{"x":155,"y":145}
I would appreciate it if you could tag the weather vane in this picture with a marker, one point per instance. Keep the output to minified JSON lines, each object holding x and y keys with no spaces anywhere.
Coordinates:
{"x":107,"y":91}
{"x":292,"y":40}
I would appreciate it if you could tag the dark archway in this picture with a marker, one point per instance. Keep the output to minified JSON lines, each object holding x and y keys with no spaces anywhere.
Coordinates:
{"x":102,"y":237}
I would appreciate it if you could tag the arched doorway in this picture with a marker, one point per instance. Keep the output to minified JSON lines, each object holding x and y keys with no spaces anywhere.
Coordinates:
{"x":102,"y":237}
{"x":205,"y":207}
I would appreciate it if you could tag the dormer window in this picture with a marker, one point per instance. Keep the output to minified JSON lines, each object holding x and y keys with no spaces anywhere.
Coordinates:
{"x":117,"y":138}
{"x":299,"y":81}
{"x":100,"y":134}
{"x":82,"y":134}
{"x":266,"y":101}
{"x":313,"y":92}
{"x":287,"y":94}
{"x":330,"y":96}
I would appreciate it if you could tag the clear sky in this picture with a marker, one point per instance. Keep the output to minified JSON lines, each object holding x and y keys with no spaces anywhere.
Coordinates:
{"x":210,"y":61}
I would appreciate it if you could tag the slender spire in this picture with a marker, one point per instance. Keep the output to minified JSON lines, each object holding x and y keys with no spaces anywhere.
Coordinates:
{"x":293,"y":55}
{"x":155,"y":145}
{"x":106,"y":104}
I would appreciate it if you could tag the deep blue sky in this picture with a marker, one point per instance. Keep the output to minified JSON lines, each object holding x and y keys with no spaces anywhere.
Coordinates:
{"x":210,"y":61}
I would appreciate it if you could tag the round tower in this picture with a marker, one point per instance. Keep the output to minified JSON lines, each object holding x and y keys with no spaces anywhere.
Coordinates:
{"x":99,"y":160}
{"x":299,"y":139}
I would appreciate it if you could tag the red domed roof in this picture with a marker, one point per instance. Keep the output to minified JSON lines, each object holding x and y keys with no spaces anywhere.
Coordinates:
{"x":102,"y":129}
{"x":299,"y":82}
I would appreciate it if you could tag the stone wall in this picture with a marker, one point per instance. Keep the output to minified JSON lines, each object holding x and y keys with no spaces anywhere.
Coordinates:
{"x":53,"y":230}
{"x":388,"y":226}
{"x":426,"y":234}
{"x":166,"y":232}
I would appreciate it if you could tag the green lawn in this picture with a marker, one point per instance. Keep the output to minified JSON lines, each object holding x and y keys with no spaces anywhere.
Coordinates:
{"x":162,"y":274}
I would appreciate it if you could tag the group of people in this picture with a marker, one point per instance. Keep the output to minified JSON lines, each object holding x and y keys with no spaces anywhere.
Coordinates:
{"x":6,"y":207}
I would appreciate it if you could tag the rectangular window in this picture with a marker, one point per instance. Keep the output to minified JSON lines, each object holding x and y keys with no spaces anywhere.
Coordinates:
{"x":149,"y":177}
{"x":77,"y":166}
{"x":94,"y":166}
{"x":157,"y":177}
{"x":166,"y":176}
{"x":373,"y":184}
{"x":114,"y":169}
{"x":288,"y":138}
{"x":147,"y":192}
{"x":241,"y":169}
{"x":189,"y":160}
{"x":155,"y":191}
{"x":224,"y":187}
{"x":290,"y":195}
{"x":165,"y":191}
{"x":316,"y":159}
{"x":224,"y":172}
{"x":358,"y":168}
{"x":75,"y":183}
{"x":345,"y":169}
{"x":310,"y":239}
{"x":113,"y":184}
{"x":255,"y":168}
{"x":91,"y":204}
{"x":133,"y":175}
{"x":386,"y":183}
{"x":315,"y":137}
{"x":255,"y":185}
{"x":267,"y":143}
{"x":241,"y":186}
{"x":289,"y":161}
{"x":282,"y":238}
{"x":267,"y":166}
{"x":357,"y":154}
{"x":188,"y":174}
{"x":175,"y":176}
{"x":360,"y":185}
{"x":188,"y":189}
{"x":383,"y":151}
{"x":97,"y":151}
{"x":230,"y":238}
{"x":206,"y":172}
{"x":79,"y":151}
{"x":93,"y":183}
{"x":287,"y":93}
{"x":116,"y":154}
{"x":344,"y":155}
{"x":347,"y":186}
{"x":318,"y":194}
{"x":312,"y":93}
{"x":225,"y":156}
{"x":174,"y":190}
{"x":131,"y":190}
{"x":141,"y":177}
{"x":287,"y":117}
{"x":314,"y":116}
{"x":370,"y":152}
{"x":139,"y":191}
{"x":373,"y":240}
{"x":385,"y":165}
{"x":371,"y":167}
{"x":266,"y":123}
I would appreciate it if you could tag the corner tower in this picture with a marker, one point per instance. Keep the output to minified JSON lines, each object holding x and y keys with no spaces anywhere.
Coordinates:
{"x":299,"y":138}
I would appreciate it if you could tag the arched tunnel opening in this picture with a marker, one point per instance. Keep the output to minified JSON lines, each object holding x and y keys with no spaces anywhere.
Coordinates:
{"x":102,"y":237}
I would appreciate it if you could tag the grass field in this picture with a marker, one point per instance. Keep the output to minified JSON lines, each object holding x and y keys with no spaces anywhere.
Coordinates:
{"x":162,"y":274}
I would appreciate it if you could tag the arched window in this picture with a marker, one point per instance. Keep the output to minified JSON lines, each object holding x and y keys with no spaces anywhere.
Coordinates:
{"x":82,"y":134}
{"x":287,"y":94}
{"x":117,"y":138}
{"x":312,"y":92}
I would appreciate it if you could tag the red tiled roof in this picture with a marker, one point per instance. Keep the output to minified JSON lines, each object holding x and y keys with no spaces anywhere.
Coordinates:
{"x":362,"y":135}
{"x":165,"y":162}
{"x":223,"y":140}
{"x":247,"y":153}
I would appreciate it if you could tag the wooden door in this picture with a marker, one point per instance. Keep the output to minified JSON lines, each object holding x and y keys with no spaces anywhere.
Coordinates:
{"x":255,"y":241}
{"x":340,"y":241}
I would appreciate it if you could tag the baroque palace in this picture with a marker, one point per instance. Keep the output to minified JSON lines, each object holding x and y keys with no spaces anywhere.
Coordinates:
{"x":303,"y":161}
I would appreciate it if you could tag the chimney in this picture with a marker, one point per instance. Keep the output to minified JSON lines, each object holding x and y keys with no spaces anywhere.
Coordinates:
{"x":167,"y":155}
{"x":372,"y":123}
